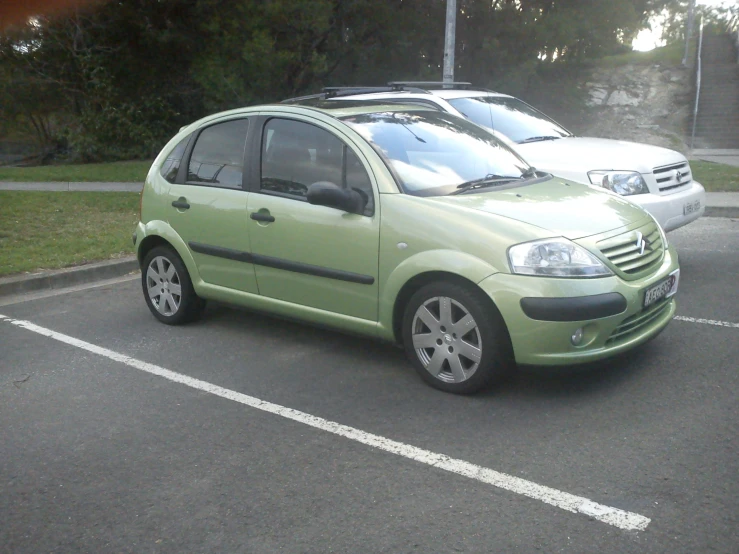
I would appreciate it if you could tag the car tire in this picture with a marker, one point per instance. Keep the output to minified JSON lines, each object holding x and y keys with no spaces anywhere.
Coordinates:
{"x":167,"y":287}
{"x":455,"y":338}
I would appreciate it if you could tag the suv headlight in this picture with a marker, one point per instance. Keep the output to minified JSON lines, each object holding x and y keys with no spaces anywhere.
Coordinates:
{"x":624,"y":183}
{"x":557,"y":257}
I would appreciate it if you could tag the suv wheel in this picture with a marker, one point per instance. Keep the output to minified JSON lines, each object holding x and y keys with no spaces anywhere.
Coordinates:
{"x":455,"y":338}
{"x":168,"y":289}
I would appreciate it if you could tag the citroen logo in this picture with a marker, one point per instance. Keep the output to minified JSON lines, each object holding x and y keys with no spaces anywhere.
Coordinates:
{"x":641,"y":243}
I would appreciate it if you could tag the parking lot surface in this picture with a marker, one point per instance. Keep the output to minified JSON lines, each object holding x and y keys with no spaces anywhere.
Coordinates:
{"x":122,"y":434}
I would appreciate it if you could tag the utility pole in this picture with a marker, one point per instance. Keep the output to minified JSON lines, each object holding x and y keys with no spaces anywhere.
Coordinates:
{"x":449,"y":40}
{"x":689,"y":30}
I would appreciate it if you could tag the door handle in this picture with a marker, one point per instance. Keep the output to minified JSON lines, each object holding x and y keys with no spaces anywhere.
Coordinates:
{"x":261,"y":216}
{"x":181,"y":203}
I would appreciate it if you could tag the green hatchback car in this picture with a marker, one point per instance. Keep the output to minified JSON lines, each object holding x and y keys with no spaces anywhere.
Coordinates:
{"x":404,"y":224}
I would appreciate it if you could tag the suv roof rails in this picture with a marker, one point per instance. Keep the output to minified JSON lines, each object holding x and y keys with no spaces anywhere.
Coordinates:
{"x":402,"y":85}
{"x":333,"y":92}
{"x":392,"y":86}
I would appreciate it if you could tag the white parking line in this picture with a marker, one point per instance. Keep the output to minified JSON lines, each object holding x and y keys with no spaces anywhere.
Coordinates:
{"x":566,"y":501}
{"x":707,"y":321}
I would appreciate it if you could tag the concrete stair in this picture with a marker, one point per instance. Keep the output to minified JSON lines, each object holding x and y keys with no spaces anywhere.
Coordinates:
{"x":717,"y":125}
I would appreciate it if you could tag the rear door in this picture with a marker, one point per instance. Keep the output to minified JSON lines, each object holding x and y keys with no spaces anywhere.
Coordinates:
{"x":208,"y":205}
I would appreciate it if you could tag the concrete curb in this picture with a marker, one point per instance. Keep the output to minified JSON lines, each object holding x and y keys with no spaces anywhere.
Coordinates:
{"x":68,"y":277}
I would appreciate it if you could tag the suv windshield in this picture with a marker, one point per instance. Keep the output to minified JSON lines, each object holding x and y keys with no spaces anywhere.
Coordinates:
{"x":510,"y":116}
{"x":433,"y":153}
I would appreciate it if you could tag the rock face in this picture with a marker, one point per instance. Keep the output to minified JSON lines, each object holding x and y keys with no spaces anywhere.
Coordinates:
{"x":650,"y":104}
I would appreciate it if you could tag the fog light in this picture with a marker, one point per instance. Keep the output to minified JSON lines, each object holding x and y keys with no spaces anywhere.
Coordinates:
{"x":577,"y":337}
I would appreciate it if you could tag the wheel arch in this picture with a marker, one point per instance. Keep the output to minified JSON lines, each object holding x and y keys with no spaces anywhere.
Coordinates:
{"x":159,"y":233}
{"x":416,"y":283}
{"x":148,"y":244}
{"x":416,"y":271}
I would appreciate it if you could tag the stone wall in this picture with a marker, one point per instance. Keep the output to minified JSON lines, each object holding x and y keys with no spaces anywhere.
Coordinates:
{"x":640,"y":103}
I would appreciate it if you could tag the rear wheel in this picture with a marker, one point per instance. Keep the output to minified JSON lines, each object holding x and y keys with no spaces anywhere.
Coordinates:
{"x":455,"y":338}
{"x":168,"y":289}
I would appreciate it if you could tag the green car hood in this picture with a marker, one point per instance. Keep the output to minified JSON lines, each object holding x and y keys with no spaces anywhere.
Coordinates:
{"x":562,"y":207}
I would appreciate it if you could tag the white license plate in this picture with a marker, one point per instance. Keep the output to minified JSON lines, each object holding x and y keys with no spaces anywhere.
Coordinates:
{"x":690,"y":207}
{"x":665,"y":288}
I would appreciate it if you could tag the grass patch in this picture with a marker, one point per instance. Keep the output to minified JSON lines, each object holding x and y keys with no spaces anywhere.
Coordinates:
{"x":50,"y":230}
{"x":672,"y":54}
{"x":109,"y":172}
{"x":716,"y":177}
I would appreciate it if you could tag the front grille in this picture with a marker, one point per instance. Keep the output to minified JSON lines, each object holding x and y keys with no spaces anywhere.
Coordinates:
{"x":635,"y":251}
{"x":673,"y":176}
{"x":635,"y":323}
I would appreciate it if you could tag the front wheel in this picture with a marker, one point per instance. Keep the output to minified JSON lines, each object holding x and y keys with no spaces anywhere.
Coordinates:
{"x":167,"y":287}
{"x":456,"y":338}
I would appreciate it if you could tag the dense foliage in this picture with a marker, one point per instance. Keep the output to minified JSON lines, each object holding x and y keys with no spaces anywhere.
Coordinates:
{"x":113,"y":81}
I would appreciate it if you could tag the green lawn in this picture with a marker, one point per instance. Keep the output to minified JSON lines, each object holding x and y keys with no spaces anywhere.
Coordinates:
{"x":672,"y":54}
{"x":50,"y":230}
{"x":716,"y":177}
{"x":117,"y":171}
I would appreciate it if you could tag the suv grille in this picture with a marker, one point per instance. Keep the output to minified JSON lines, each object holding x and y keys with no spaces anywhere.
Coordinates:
{"x":635,"y":251}
{"x":674,"y":176}
{"x":637,"y":322}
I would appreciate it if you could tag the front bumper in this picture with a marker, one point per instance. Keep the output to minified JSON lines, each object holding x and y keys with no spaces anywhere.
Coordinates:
{"x":540,"y":342}
{"x":670,"y":209}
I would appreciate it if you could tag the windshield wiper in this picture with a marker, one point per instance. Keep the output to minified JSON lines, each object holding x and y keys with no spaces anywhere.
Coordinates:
{"x":489,"y":180}
{"x":529,"y":173}
{"x":538,"y":139}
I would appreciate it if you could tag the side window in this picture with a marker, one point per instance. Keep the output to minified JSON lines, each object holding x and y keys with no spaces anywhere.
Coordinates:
{"x":295,"y":155}
{"x":218,"y":156}
{"x":171,"y":165}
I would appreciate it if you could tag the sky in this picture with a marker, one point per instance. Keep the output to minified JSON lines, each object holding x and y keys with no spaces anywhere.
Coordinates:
{"x":649,"y":39}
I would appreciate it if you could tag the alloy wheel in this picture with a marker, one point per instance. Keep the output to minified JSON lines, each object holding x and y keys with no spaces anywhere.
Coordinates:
{"x":446,"y":339}
{"x":163,"y":286}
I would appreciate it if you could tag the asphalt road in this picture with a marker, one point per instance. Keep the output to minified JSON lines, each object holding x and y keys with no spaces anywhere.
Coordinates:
{"x":97,"y":454}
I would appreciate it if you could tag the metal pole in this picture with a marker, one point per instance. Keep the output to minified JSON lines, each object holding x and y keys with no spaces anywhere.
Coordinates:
{"x":449,"y":39}
{"x":689,"y":30}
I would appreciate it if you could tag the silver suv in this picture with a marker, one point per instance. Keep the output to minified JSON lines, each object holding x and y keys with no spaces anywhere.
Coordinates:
{"x":657,"y":179}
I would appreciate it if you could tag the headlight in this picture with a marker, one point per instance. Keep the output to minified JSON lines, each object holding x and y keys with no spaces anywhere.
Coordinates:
{"x":555,"y":258}
{"x":624,"y":183}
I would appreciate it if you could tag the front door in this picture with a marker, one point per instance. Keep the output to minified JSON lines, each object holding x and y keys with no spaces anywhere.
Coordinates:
{"x":313,"y":255}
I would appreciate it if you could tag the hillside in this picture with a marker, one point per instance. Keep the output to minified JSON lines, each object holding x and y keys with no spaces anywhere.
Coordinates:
{"x":641,"y":97}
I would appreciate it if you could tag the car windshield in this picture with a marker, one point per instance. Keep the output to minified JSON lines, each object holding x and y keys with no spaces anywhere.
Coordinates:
{"x":434,"y":153}
{"x":510,"y":116}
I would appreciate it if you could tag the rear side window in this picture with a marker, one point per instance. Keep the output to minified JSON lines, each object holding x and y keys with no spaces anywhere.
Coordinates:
{"x":217,"y":159}
{"x":171,"y":165}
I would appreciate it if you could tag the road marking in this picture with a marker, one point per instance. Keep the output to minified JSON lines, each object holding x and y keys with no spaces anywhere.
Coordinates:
{"x":566,"y":501}
{"x":707,"y":321}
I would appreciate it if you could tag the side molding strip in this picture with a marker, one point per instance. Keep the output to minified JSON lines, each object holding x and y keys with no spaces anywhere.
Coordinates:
{"x":279,"y":263}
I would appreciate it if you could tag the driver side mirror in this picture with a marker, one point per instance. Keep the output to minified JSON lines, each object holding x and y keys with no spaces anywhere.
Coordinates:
{"x":324,"y":193}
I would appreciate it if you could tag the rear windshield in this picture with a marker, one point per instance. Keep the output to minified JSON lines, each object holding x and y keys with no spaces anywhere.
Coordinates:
{"x":510,"y":116}
{"x":432,"y":153}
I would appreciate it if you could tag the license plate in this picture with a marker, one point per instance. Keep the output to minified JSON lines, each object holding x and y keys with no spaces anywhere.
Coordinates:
{"x":690,"y":207}
{"x":664,"y":289}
